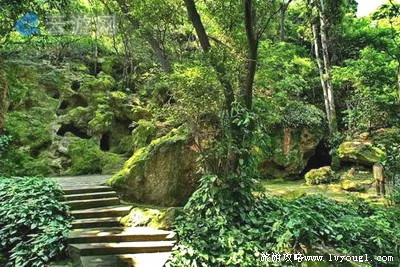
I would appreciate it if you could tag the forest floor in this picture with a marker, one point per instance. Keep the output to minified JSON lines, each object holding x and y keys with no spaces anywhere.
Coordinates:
{"x":297,"y":188}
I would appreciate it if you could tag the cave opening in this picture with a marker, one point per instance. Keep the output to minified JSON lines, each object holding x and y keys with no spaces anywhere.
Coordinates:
{"x":321,"y":158}
{"x":63,"y":105}
{"x":76,"y":85}
{"x":105,"y":142}
{"x":71,"y":128}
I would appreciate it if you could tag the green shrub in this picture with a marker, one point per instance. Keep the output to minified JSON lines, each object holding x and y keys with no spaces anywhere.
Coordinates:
{"x":216,"y":230}
{"x":34,"y":225}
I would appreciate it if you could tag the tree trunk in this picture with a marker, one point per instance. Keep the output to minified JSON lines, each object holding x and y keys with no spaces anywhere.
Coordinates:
{"x":321,"y":71}
{"x":198,"y":25}
{"x":220,"y":69}
{"x":398,"y":81}
{"x":328,"y":76}
{"x":3,"y":93}
{"x":251,"y":64}
{"x":283,"y":8}
{"x":158,"y":52}
{"x":282,"y":23}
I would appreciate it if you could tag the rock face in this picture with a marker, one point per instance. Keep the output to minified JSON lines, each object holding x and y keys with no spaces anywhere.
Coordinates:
{"x":320,"y":176}
{"x":162,"y":173}
{"x":64,"y":121}
{"x":360,"y":152}
{"x":291,"y":150}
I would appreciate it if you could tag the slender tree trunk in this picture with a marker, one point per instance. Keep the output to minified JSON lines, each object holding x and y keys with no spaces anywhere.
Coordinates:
{"x":282,"y":23}
{"x":3,"y":93}
{"x":398,"y":81}
{"x":283,"y":8}
{"x":321,"y":71}
{"x":327,"y":76}
{"x":251,"y":64}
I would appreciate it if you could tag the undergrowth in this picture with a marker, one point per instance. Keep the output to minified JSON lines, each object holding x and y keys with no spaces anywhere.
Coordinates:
{"x":34,"y":225}
{"x":218,"y":229}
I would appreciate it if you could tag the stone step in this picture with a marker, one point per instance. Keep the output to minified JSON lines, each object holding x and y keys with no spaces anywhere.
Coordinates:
{"x":92,"y":249}
{"x":96,"y":222}
{"x":86,"y":189}
{"x":127,"y":260}
{"x":96,"y":195}
{"x":112,"y":211}
{"x":118,"y":234}
{"x":91,"y":203}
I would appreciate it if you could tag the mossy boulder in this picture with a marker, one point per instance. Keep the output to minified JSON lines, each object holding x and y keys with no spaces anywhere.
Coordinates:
{"x":322,"y":175}
{"x":360,"y":152}
{"x":356,"y":180}
{"x":162,"y":173}
{"x":356,"y":186}
{"x":291,"y":150}
{"x":158,"y":218}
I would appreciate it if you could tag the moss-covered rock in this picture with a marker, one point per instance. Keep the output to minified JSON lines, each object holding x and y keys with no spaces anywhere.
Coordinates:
{"x":291,"y":150}
{"x":57,"y":117}
{"x":162,"y":173}
{"x":158,"y":218}
{"x":320,"y":176}
{"x":85,"y":156}
{"x":356,"y":185}
{"x":356,"y":180}
{"x":360,"y":152}
{"x":140,"y":113}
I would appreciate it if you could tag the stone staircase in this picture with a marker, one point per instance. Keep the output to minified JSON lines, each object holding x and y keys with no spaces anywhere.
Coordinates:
{"x":98,"y":239}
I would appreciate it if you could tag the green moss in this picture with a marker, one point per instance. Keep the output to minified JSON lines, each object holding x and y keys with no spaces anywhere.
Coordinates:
{"x":356,"y":186}
{"x":143,"y":133}
{"x":162,"y":173}
{"x":140,"y":113}
{"x":134,"y":162}
{"x":31,"y":127}
{"x":320,"y":176}
{"x":86,"y":156}
{"x":360,"y":152}
{"x":158,"y":218}
{"x":101,"y":122}
{"x":111,"y":163}
{"x":104,"y":82}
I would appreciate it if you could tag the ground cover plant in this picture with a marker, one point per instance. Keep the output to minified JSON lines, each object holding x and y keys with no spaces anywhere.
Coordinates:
{"x":34,"y":225}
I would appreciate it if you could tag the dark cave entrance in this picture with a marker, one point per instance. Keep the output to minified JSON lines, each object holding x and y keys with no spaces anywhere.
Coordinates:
{"x":105,"y":142}
{"x":320,"y":158}
{"x":70,"y":128}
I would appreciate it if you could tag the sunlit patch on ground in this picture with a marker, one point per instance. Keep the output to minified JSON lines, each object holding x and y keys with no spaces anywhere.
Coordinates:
{"x":291,"y":189}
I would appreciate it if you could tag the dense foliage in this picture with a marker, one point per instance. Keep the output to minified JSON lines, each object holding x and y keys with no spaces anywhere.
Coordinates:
{"x":34,"y":225}
{"x":216,"y":230}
